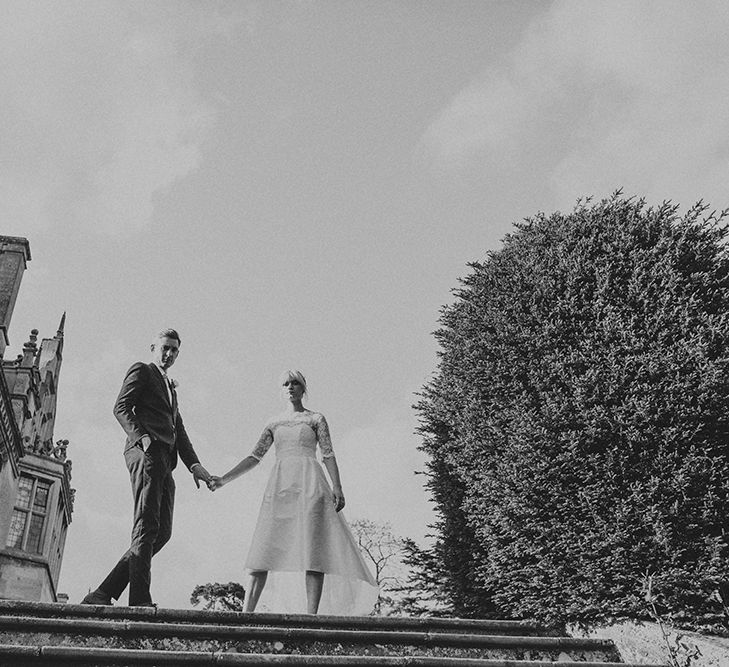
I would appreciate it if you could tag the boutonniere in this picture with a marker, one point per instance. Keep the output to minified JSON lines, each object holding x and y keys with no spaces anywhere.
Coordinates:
{"x":174,"y":383}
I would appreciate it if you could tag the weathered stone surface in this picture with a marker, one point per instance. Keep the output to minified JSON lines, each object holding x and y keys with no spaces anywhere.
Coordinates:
{"x":128,"y":658}
{"x":451,"y":625}
{"x":44,"y":634}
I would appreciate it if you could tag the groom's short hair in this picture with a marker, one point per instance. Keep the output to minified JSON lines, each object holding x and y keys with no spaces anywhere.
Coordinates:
{"x":169,"y":333}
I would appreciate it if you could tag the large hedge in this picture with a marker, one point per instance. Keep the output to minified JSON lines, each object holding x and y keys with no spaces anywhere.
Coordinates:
{"x":578,"y":423}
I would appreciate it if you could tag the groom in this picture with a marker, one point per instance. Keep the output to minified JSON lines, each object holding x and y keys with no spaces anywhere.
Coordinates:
{"x":146,"y":408}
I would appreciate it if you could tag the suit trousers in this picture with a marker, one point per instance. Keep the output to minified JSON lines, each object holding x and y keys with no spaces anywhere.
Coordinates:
{"x":153,"y":489}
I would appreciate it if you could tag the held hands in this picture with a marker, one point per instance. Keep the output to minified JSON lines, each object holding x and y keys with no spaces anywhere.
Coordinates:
{"x":215,"y":483}
{"x":200,"y":474}
{"x":338,"y":498}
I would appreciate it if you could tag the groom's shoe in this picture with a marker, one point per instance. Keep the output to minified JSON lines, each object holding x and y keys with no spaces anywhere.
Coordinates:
{"x":144,"y":604}
{"x":97,"y":597}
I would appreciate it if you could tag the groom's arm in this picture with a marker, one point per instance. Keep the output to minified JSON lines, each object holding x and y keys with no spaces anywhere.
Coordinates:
{"x":188,"y":455}
{"x":134,"y":382}
{"x":184,"y":446}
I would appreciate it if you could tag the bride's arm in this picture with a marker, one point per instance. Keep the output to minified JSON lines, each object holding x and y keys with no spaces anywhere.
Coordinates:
{"x":249,"y":462}
{"x":333,"y":469}
{"x":330,"y":463}
{"x":243,"y":467}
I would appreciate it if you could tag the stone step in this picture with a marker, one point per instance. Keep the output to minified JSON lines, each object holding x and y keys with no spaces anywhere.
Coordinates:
{"x":16,"y":655}
{"x":43,"y":632}
{"x":295,"y":640}
{"x":425,"y":624}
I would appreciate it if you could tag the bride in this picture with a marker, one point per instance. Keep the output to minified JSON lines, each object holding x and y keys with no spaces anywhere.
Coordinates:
{"x":300,"y":529}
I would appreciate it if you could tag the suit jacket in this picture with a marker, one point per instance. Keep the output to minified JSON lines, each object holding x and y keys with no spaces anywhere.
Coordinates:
{"x":143,"y":407}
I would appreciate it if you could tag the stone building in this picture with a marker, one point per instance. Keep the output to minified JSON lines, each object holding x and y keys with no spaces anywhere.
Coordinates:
{"x":36,"y":499}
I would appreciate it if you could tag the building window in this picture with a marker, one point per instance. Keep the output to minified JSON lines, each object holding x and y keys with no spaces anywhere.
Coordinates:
{"x":29,"y":514}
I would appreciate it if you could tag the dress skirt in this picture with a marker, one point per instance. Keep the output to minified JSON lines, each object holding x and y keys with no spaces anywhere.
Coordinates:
{"x":298,"y":529}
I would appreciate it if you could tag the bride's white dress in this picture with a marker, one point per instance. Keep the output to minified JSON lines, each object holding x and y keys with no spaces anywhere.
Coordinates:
{"x":298,"y":528}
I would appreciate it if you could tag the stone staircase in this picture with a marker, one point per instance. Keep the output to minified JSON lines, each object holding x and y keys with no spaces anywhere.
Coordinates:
{"x":34,"y":633}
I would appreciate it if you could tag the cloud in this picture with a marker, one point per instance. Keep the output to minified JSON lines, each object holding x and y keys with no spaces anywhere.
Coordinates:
{"x":598,"y":96}
{"x":100,"y":112}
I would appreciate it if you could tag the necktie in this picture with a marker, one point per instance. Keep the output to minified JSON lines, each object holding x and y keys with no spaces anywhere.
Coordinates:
{"x":173,"y":396}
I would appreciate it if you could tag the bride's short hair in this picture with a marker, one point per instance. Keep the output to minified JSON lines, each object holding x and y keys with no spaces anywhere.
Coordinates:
{"x":292,"y":374}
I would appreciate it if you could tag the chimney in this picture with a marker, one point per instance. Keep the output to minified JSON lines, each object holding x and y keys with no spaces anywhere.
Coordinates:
{"x":14,"y":256}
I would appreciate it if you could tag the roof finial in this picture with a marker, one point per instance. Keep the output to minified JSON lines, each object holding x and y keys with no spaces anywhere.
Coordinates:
{"x":59,"y":333}
{"x":31,"y":344}
{"x":29,"y":349}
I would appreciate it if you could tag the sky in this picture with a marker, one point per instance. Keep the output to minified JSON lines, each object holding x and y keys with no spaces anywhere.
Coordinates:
{"x":302,"y":184}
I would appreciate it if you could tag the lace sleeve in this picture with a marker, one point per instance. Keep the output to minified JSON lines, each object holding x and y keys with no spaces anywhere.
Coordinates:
{"x":263,"y":444}
{"x":323,"y":437}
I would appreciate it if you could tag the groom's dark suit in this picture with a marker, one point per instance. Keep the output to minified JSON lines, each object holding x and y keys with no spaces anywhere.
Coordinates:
{"x":147,"y":405}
